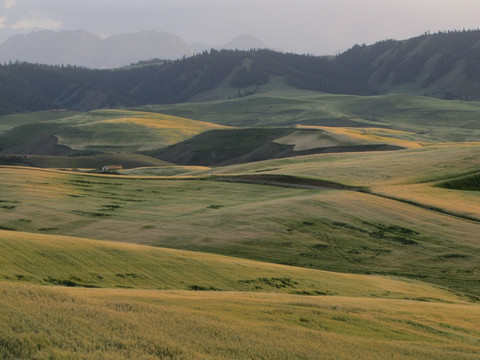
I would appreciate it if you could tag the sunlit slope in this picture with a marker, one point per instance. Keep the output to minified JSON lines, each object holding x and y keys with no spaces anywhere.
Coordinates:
{"x":412,"y":175}
{"x":59,"y":260}
{"x":148,"y":324}
{"x":431,"y":119}
{"x":359,"y":136}
{"x":103,"y":130}
{"x":343,"y":231}
{"x":429,"y":163}
{"x":130,"y":131}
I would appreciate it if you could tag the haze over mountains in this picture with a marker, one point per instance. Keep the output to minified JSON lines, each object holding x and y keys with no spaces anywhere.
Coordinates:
{"x":82,"y":48}
{"x":442,"y":65}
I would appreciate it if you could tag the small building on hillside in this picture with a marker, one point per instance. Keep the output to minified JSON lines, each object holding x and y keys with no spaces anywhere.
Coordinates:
{"x":112,"y":167}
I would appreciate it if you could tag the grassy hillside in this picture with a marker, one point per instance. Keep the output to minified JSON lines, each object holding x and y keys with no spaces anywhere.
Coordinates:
{"x":370,"y":316}
{"x":324,"y":229}
{"x":424,"y":119}
{"x":322,"y":123}
{"x":426,"y":164}
{"x":224,"y":147}
{"x":50,"y":133}
{"x":77,"y":262}
{"x":412,"y":175}
{"x":151,"y":262}
{"x":127,"y":160}
{"x":42,"y":322}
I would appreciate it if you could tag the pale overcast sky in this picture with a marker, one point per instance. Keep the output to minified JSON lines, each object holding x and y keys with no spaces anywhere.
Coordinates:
{"x":304,"y":26}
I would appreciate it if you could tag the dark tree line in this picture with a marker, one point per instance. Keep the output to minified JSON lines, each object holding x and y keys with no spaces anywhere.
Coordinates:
{"x":361,"y":70}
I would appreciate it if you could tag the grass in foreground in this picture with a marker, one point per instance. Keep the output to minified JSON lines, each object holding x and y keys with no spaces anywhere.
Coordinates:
{"x":58,"y":323}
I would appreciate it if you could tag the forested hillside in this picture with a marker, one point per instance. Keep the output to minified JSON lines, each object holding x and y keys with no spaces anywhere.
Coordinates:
{"x":444,"y":65}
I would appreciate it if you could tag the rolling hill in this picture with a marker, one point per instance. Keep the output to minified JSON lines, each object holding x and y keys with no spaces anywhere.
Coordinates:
{"x":68,"y":296}
{"x":321,"y":227}
{"x":226,"y":147}
{"x":65,"y":133}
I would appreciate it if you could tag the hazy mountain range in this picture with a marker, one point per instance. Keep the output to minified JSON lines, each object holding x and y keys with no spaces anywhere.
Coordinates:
{"x":82,"y":48}
{"x":443,"y":65}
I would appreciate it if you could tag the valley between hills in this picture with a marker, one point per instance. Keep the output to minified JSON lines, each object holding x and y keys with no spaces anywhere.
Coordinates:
{"x":283,"y":225}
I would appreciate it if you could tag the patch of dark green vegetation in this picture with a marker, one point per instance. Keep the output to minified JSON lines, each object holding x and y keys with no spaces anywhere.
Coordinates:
{"x":319,"y":246}
{"x":8,"y":207}
{"x":131,"y":200}
{"x":214,"y":206}
{"x":404,"y":241}
{"x":91,"y":213}
{"x":72,"y":282}
{"x":48,"y":229}
{"x":393,"y":233}
{"x":278,"y":283}
{"x":7,"y":228}
{"x":148,"y":227}
{"x":350,"y":227}
{"x":313,"y":293}
{"x":468,"y":183}
{"x":203,"y":288}
{"x":22,"y":277}
{"x":80,"y":183}
{"x":111,"y":207}
{"x":266,"y":170}
{"x":454,"y":256}
{"x":129,"y":275}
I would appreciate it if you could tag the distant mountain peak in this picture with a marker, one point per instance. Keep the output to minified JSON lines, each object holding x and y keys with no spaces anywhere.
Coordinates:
{"x":245,"y":42}
{"x":82,"y":48}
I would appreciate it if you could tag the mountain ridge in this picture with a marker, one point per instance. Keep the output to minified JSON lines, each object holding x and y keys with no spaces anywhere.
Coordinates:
{"x":82,"y":48}
{"x":442,"y":65}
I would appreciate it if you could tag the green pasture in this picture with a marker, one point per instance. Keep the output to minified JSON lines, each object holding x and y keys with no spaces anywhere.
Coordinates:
{"x":77,"y":262}
{"x":336,"y":230}
{"x":98,"y":131}
{"x":431,"y":119}
{"x":427,"y":164}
